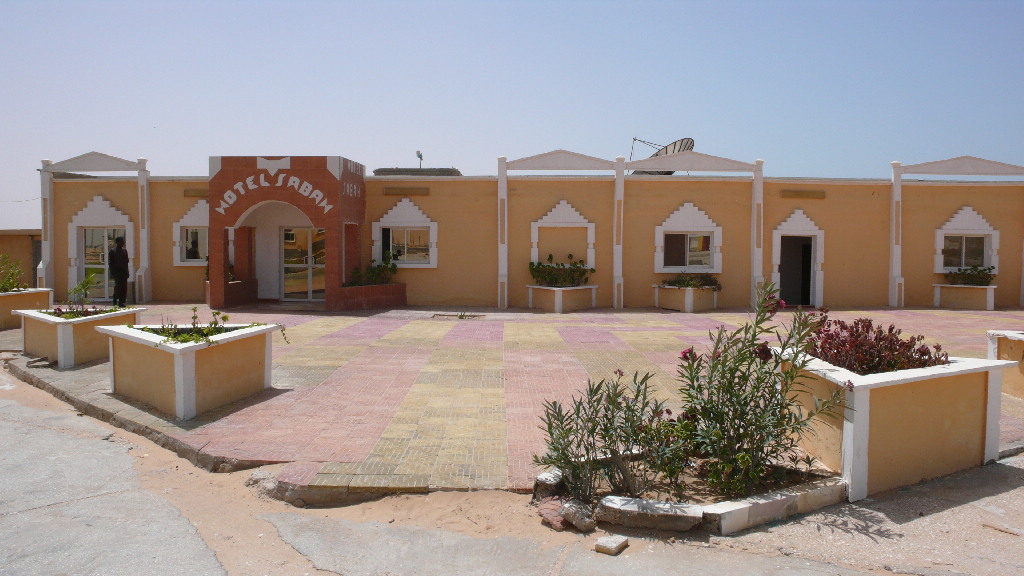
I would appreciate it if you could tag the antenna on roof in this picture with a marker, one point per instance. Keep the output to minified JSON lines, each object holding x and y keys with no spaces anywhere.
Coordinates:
{"x":681,"y":145}
{"x":420,"y":156}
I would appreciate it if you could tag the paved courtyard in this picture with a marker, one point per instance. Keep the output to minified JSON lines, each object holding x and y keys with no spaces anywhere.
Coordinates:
{"x":417,"y":399}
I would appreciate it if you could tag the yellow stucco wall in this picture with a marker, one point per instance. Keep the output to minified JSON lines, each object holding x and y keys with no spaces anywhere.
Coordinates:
{"x":855,"y":218}
{"x":145,"y":373}
{"x":926,"y":429}
{"x":825,"y":440}
{"x":1013,"y":377}
{"x":927,"y":207}
{"x":40,"y":338}
{"x":530,"y":199}
{"x":648,"y":203}
{"x":467,"y":239}
{"x":92,"y":345}
{"x":18,"y":247}
{"x":170,"y":282}
{"x":70,"y":197}
{"x":229,"y":371}
{"x":962,"y":297}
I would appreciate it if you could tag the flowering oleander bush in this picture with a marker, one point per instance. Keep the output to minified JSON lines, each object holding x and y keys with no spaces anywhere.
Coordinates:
{"x":864,"y":348}
{"x":743,"y":416}
{"x":561,"y":275}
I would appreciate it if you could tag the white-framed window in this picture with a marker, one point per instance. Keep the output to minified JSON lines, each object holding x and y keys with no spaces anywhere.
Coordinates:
{"x":191,"y":236}
{"x":965,"y":240}
{"x":194,"y":244}
{"x":407,"y":244}
{"x":692,"y":250}
{"x":408,"y":234}
{"x":688,"y":241}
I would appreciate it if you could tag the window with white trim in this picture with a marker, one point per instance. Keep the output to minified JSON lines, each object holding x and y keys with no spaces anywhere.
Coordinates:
{"x":688,"y":241}
{"x":963,"y":251}
{"x":194,"y":244}
{"x":407,"y":244}
{"x":690,"y":250}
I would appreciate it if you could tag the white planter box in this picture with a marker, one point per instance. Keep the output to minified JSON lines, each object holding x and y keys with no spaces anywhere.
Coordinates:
{"x":910,"y":425}
{"x":685,"y":299}
{"x":561,"y":300}
{"x":1009,"y":345}
{"x":964,"y":297}
{"x":189,"y":379}
{"x":70,"y":341}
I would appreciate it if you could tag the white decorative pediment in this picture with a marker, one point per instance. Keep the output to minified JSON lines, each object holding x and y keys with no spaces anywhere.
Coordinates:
{"x":967,"y":166}
{"x":404,"y":214}
{"x":688,"y":219}
{"x":798,"y":224}
{"x":690,"y":161}
{"x":968,"y":222}
{"x":197,"y":217}
{"x":563,"y":215}
{"x":96,"y":162}
{"x":561,"y":160}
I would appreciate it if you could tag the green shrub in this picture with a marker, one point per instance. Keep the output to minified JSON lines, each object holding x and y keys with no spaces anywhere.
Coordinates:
{"x":694,"y":281}
{"x":601,"y":436}
{"x":972,"y":276}
{"x":561,"y":275}
{"x":10,"y":274}
{"x":742,"y":413}
{"x":375,"y":273}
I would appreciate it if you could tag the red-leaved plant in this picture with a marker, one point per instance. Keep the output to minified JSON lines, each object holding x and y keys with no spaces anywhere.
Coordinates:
{"x":864,"y":348}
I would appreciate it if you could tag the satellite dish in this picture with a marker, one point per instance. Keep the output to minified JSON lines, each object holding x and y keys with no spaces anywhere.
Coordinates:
{"x":681,"y":145}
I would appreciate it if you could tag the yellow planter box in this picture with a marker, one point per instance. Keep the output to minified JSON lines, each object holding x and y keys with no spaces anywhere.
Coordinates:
{"x":685,"y":299}
{"x":907,"y":426}
{"x":189,"y":379}
{"x":961,"y":297}
{"x":1009,"y":345}
{"x":561,"y":300}
{"x":31,"y":298}
{"x":70,"y":341}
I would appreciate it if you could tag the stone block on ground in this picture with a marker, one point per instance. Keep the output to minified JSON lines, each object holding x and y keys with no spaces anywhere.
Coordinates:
{"x":546,"y":484}
{"x":611,"y":545}
{"x":579,"y":514}
{"x":549,"y":510}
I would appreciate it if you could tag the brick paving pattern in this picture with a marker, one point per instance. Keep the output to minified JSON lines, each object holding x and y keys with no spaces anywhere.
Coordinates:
{"x":416,"y":400}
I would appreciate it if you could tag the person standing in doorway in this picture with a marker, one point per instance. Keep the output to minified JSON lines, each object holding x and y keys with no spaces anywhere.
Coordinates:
{"x":117,"y":263}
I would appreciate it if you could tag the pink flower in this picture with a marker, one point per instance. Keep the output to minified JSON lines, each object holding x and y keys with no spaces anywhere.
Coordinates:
{"x":687,"y":355}
{"x":619,"y":373}
{"x":763,"y":352}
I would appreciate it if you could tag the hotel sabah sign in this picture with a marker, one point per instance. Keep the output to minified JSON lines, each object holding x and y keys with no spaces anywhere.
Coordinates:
{"x":313,"y":184}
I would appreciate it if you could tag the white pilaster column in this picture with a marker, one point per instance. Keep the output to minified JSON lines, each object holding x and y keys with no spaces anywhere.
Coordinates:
{"x":44,"y":272}
{"x":618,"y":287}
{"x":896,"y":238}
{"x":143,"y":286}
{"x":757,"y":231}
{"x":503,"y":232}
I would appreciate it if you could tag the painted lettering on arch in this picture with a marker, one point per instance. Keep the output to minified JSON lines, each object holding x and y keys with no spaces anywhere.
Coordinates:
{"x":282,"y":180}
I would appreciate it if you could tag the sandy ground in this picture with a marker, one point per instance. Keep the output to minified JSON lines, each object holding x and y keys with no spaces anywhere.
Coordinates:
{"x":228,"y":514}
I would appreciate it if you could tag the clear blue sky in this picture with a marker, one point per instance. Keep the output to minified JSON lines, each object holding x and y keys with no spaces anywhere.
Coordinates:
{"x":815,"y":88}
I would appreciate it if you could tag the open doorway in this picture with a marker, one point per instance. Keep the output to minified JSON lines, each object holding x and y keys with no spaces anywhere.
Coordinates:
{"x":796,"y":276}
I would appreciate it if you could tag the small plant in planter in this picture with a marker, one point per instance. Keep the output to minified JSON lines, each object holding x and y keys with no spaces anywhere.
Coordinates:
{"x":375,"y":273}
{"x":10,"y":275}
{"x":77,"y":304}
{"x":197,"y":332}
{"x":971,"y":276}
{"x":685,"y":280}
{"x":864,"y":348}
{"x":561,"y":274}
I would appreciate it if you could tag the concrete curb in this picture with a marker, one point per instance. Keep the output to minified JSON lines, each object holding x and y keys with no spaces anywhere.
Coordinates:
{"x":727,"y":518}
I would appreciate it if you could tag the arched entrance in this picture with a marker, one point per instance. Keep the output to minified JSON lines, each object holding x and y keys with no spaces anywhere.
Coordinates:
{"x":278,"y":228}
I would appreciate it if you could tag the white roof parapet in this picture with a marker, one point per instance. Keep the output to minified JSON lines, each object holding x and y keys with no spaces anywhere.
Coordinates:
{"x":966,"y":166}
{"x":560,"y":160}
{"x":690,"y":161}
{"x":96,"y":162}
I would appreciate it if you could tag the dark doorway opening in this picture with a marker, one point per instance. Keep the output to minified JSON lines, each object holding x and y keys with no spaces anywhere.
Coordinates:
{"x":795,"y":265}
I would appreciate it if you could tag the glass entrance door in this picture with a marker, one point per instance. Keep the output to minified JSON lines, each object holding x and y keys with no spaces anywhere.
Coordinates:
{"x":303,"y":264}
{"x":96,"y":243}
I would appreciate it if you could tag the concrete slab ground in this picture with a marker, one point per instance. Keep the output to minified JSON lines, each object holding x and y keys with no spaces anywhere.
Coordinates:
{"x":417,"y":400}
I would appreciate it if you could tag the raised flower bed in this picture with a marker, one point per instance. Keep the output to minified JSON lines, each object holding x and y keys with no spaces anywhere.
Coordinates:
{"x":966,"y":289}
{"x":28,"y":298}
{"x":69,"y":341}
{"x":1009,"y":345}
{"x":561,"y":287}
{"x":186,"y":379}
{"x":688,"y":293}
